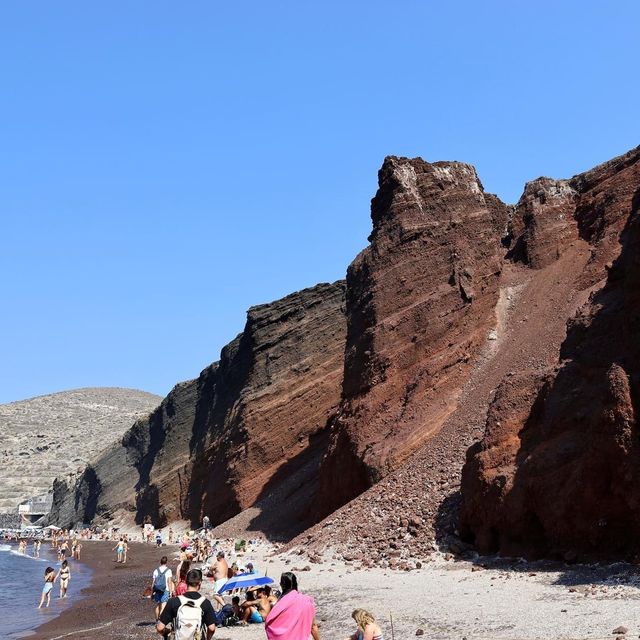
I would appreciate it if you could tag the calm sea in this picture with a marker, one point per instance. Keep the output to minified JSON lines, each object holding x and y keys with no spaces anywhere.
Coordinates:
{"x":21,"y":586}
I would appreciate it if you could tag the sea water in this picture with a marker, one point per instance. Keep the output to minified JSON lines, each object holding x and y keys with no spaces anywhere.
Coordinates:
{"x":21,"y":582}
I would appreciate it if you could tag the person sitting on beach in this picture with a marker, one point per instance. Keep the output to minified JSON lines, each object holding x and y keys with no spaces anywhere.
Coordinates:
{"x":49,"y":579}
{"x":237,"y":609}
{"x":256,"y":607}
{"x":250,"y":613}
{"x":368,"y":628}
{"x":65,"y":575}
{"x":271,"y":597}
{"x":161,"y":586}
{"x":189,"y":612}
{"x":293,"y":616}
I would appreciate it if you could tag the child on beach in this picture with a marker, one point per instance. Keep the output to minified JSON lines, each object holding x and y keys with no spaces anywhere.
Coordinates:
{"x":119,"y":549}
{"x":49,"y":579}
{"x":368,"y":628}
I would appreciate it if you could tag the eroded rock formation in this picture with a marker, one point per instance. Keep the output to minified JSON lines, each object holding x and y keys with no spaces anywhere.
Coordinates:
{"x":455,"y":332}
{"x":556,"y":472}
{"x":420,"y":303}
{"x":218,"y":443}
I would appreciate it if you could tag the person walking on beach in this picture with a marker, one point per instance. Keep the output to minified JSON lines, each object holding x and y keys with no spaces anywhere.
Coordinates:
{"x":125,"y":548}
{"x":65,"y":575}
{"x":293,"y":617}
{"x":368,"y":628}
{"x":62,"y":550}
{"x":182,"y":586}
{"x":49,"y":579}
{"x":161,"y":586}
{"x":189,"y":614}
{"x":119,"y":549}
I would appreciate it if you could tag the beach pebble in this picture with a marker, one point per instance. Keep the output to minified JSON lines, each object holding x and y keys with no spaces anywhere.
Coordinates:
{"x":420,"y":632}
{"x":620,"y":631}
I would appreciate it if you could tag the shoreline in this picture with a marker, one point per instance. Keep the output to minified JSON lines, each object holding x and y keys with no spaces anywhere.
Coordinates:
{"x":113,"y":595}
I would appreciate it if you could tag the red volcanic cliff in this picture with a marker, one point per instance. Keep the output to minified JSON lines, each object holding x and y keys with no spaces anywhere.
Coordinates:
{"x":557,"y":471}
{"x":451,"y":333}
{"x":220,"y":442}
{"x":420,"y":303}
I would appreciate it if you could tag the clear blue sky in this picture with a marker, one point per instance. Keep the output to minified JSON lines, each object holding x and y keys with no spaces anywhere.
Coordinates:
{"x":166,"y":165}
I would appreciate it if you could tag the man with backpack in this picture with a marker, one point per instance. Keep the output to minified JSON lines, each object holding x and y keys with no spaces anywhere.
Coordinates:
{"x":191,"y":614}
{"x":161,"y":586}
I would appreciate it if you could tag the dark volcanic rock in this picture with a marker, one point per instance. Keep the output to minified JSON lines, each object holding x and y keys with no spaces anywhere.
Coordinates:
{"x":219,"y":443}
{"x":420,"y":304}
{"x":557,"y":471}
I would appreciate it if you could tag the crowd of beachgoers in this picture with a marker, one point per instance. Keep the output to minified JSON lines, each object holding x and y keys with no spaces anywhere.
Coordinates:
{"x":199,"y":584}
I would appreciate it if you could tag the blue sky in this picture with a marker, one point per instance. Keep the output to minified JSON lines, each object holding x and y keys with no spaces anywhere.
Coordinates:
{"x":166,"y":165}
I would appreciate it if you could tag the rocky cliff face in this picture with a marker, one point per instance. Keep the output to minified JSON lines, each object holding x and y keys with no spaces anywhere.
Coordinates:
{"x":219,"y":443}
{"x":420,"y":303}
{"x":455,"y":333}
{"x":556,"y":472}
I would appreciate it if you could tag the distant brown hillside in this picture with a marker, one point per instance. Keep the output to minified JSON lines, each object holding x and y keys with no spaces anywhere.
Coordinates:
{"x":53,"y":435}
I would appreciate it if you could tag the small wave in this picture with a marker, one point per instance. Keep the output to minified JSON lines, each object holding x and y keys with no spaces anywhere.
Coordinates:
{"x":14,"y":552}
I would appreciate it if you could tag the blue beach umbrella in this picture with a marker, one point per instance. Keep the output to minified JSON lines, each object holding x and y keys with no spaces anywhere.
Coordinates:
{"x":244,"y":581}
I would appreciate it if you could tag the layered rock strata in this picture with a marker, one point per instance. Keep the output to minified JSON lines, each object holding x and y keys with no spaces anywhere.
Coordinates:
{"x":556,"y":471}
{"x":220,"y":442}
{"x":421,"y":300}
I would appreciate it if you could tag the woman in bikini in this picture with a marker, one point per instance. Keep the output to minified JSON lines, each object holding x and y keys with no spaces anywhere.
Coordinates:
{"x":65,"y":575}
{"x":49,"y":579}
{"x":368,"y":628}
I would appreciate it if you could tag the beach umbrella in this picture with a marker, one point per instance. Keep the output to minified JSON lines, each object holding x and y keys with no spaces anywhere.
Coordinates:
{"x":245,"y":581}
{"x":53,"y":528}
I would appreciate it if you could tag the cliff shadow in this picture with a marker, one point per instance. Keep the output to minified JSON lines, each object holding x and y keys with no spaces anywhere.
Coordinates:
{"x":285,"y":502}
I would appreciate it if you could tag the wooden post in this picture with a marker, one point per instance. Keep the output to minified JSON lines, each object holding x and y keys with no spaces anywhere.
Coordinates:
{"x":393,"y":637}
